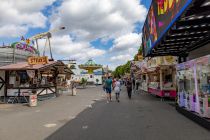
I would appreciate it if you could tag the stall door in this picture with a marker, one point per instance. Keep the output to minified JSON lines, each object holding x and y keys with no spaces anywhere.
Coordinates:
{"x":2,"y":82}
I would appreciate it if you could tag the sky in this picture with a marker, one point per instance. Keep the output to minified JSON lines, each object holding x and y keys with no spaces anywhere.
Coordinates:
{"x":107,"y":31}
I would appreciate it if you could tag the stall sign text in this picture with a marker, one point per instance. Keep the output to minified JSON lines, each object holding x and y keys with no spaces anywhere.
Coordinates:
{"x":26,"y":47}
{"x":37,"y":60}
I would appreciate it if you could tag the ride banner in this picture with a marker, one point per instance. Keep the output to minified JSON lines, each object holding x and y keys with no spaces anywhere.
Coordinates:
{"x":161,"y":16}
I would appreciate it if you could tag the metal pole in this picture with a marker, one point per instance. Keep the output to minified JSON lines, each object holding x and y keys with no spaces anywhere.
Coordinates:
{"x":37,"y":46}
{"x":45,"y":47}
{"x":13,"y":55}
{"x":50,"y":48}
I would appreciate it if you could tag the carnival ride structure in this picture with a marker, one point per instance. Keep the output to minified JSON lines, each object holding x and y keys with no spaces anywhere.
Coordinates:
{"x":20,"y":51}
{"x":45,"y":35}
{"x":93,"y":72}
{"x":90,"y":66}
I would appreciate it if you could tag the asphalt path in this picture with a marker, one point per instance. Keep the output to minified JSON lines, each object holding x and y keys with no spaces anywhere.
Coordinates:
{"x":20,"y":122}
{"x":144,"y":117}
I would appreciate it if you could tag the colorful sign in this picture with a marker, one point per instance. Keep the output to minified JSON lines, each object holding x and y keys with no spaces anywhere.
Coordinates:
{"x":170,"y":60}
{"x":161,"y":16}
{"x":34,"y":60}
{"x":162,"y":60}
{"x":26,"y":47}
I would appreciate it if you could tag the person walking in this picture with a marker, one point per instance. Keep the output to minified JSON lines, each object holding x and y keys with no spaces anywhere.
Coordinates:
{"x":137,"y":83}
{"x":134,"y":84}
{"x":117,"y":89}
{"x":104,"y":84}
{"x":108,"y":83}
{"x":114,"y":82}
{"x":129,"y":87}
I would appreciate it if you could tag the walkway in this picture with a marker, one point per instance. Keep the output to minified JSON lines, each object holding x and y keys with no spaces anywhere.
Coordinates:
{"x":143,"y":117}
{"x":18,"y":122}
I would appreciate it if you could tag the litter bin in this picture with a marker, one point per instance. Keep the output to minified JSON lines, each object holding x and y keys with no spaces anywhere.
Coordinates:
{"x":33,"y":100}
{"x":74,"y":91}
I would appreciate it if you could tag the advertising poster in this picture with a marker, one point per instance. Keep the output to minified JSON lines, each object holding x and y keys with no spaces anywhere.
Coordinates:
{"x":161,"y":16}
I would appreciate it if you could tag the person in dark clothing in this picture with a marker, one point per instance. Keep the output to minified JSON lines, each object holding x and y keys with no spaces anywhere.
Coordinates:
{"x":137,"y":84}
{"x":134,"y":83}
{"x":129,"y":87}
{"x":109,"y":86}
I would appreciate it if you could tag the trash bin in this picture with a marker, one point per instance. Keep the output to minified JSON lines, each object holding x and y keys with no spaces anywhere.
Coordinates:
{"x":74,"y":91}
{"x":33,"y":100}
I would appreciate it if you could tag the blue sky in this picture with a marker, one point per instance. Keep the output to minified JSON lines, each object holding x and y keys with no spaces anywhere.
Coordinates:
{"x":105,"y":30}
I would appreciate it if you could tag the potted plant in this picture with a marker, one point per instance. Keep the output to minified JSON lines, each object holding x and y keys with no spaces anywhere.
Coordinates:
{"x":83,"y":82}
{"x":97,"y":81}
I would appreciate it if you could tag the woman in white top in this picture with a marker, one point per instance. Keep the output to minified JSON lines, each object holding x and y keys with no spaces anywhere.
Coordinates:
{"x":117,"y":90}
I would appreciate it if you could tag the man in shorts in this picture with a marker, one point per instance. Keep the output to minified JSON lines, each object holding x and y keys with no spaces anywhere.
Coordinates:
{"x":108,"y":83}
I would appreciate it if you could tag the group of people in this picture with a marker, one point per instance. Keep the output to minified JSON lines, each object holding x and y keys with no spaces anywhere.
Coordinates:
{"x":115,"y":84}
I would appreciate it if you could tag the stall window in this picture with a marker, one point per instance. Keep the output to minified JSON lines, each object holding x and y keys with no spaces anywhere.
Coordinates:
{"x":168,"y":78}
{"x":23,"y":77}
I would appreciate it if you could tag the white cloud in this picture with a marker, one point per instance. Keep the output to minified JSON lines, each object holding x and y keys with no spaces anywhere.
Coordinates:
{"x":30,"y":6}
{"x":123,"y":49}
{"x":12,"y":31}
{"x":22,"y":14}
{"x":126,"y":42}
{"x":93,"y":19}
{"x":104,"y":19}
{"x":123,"y":58}
{"x":119,"y":59}
{"x":63,"y":46}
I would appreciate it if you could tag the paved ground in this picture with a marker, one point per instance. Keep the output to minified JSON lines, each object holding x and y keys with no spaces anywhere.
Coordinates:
{"x":18,"y":122}
{"x":142,"y":118}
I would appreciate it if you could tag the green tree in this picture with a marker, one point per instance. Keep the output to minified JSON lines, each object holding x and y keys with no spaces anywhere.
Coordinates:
{"x":97,"y":81}
{"x":135,"y":57}
{"x":83,"y":82}
{"x":122,"y":70}
{"x":140,"y":51}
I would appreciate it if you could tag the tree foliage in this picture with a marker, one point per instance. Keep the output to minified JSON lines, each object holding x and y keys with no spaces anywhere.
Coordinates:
{"x":83,"y":81}
{"x":140,"y":51}
{"x":135,"y":57}
{"x":122,"y":70}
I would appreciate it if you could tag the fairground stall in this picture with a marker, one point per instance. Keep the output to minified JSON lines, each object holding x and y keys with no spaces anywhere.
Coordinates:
{"x":162,"y":76}
{"x":144,"y":76}
{"x":181,"y":28}
{"x":135,"y":74}
{"x":194,"y":85}
{"x":37,"y":76}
